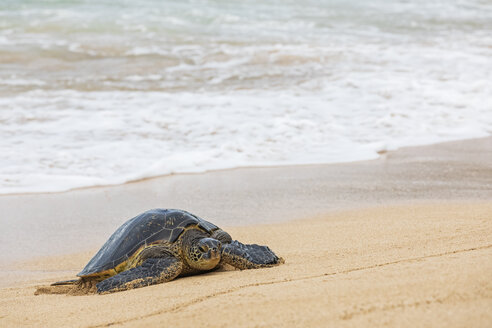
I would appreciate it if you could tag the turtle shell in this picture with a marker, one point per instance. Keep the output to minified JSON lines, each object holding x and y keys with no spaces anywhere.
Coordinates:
{"x":144,"y":229}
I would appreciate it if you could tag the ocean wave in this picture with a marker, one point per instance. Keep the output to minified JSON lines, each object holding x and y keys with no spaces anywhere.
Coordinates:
{"x":58,"y":140}
{"x":93,"y":93}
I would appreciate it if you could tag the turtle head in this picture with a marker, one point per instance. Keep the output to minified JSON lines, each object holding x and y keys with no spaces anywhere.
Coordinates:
{"x":204,"y":254}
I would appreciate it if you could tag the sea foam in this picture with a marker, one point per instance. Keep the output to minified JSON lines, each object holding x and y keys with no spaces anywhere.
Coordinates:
{"x":59,"y":140}
{"x":96,"y":94}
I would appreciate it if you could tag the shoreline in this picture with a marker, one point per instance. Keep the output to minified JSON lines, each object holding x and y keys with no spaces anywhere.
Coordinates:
{"x":84,"y":218}
{"x":381,"y":155}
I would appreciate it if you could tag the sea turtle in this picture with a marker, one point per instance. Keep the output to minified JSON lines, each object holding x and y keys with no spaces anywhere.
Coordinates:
{"x":162,"y":244}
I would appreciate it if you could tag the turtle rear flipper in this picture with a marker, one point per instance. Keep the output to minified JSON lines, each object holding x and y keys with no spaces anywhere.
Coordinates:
{"x":152,"y":271}
{"x":249,"y":256}
{"x":65,"y":282}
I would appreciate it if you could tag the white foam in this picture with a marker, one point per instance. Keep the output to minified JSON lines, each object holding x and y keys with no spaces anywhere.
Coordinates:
{"x":93,"y":94}
{"x":54,"y":141}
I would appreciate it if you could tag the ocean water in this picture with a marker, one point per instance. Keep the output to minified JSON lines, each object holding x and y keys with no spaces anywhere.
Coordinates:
{"x":104,"y":92}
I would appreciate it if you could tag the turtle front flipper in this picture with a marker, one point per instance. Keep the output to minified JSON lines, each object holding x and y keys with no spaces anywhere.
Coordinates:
{"x":152,"y":271}
{"x":250,"y":256}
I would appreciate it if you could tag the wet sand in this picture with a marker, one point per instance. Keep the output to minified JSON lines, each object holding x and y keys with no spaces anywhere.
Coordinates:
{"x":403,"y":240}
{"x":83,"y":219}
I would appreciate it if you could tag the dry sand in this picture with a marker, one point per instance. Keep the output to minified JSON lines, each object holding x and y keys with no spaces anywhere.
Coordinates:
{"x":405,"y":240}
{"x":420,"y":265}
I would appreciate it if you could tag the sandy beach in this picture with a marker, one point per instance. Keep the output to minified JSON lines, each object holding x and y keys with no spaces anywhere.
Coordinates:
{"x":353,"y":138}
{"x":405,"y":240}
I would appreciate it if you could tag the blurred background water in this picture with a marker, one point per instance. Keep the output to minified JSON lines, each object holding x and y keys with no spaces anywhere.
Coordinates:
{"x":104,"y":92}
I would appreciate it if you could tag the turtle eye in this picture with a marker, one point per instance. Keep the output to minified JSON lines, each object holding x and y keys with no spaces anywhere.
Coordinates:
{"x":202,"y":249}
